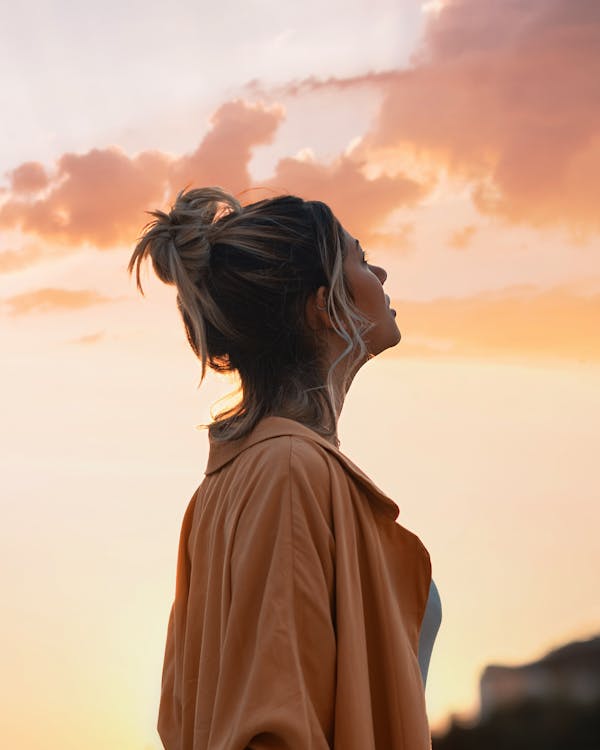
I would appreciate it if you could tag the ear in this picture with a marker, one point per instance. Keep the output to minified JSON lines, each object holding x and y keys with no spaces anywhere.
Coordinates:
{"x":318,"y":318}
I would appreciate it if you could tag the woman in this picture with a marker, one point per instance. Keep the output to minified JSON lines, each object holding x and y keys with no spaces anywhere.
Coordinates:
{"x":299,"y":601}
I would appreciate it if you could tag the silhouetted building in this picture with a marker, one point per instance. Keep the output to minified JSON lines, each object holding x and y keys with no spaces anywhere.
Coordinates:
{"x":570,"y":673}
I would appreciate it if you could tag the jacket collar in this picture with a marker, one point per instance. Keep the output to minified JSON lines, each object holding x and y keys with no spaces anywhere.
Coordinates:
{"x":221,"y":453}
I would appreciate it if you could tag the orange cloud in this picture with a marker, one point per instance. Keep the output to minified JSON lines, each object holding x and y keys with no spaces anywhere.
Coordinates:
{"x":361,"y":204}
{"x":222,"y":157}
{"x":100,"y":197}
{"x":51,"y":300}
{"x":16,"y":260}
{"x":462,"y":237}
{"x":516,"y":323}
{"x":91,"y":338}
{"x":94,"y":197}
{"x":29,"y":177}
{"x":504,"y":95}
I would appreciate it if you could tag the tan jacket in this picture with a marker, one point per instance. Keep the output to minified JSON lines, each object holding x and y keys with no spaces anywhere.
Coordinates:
{"x":297,"y":608}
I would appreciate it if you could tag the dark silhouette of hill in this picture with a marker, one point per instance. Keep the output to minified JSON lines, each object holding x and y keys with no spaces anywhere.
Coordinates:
{"x":530,"y":725}
{"x":549,"y":704}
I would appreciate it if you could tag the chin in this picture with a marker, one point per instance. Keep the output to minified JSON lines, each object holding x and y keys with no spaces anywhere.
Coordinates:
{"x":382,"y":344}
{"x":384,"y":336}
{"x":394,"y":336}
{"x":395,"y":341}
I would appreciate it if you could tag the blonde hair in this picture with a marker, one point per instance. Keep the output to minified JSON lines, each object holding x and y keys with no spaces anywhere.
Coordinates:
{"x":243,"y":275}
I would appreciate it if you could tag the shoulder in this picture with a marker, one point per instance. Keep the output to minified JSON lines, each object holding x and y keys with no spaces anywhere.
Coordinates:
{"x":310,"y":478}
{"x":292,"y":466}
{"x":288,"y":454}
{"x":307,"y":456}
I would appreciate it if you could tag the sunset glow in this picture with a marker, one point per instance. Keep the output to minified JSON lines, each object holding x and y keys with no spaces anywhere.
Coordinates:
{"x":460,"y":142}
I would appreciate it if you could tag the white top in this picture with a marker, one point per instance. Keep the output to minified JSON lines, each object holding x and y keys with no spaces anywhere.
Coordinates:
{"x":429,"y":628}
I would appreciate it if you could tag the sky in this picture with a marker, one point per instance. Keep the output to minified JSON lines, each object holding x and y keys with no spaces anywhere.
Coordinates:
{"x":460,"y":142}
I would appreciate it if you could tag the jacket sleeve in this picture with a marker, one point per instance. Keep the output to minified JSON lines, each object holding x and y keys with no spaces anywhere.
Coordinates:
{"x":277,"y":667}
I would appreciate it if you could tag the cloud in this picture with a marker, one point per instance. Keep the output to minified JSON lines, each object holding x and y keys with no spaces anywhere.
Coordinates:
{"x":90,"y":338}
{"x":462,"y":237}
{"x":522,"y":323}
{"x":100,"y":197}
{"x":51,"y":299}
{"x":506,"y":94}
{"x":362,"y":205}
{"x":502,"y":94}
{"x":95,"y":198}
{"x":17,"y":260}
{"x":29,"y":177}
{"x":222,"y":158}
{"x":255,"y":87}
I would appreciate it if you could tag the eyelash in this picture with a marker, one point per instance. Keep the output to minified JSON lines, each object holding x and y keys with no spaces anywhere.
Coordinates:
{"x":365,"y":259}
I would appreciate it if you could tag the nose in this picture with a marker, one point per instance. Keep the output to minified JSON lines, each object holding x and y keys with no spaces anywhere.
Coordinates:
{"x":382,"y":274}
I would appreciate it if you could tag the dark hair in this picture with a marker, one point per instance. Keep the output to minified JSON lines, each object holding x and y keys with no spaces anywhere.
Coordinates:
{"x":243,"y":277}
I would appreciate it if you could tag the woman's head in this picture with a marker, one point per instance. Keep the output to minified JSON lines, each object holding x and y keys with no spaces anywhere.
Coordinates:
{"x":245,"y":277}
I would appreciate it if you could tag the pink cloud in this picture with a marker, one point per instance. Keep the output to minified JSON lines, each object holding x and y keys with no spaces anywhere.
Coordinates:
{"x":92,"y":197}
{"x":100,"y":197}
{"x":29,"y":177}
{"x":361,"y":204}
{"x":223,"y":155}
{"x":506,"y":94}
{"x":503,"y":94}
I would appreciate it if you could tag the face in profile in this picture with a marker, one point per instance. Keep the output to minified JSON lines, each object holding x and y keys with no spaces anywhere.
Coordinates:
{"x":366,"y":282}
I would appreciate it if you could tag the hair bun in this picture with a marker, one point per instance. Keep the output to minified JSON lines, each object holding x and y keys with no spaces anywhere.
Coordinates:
{"x":206,"y":205}
{"x":178,"y":242}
